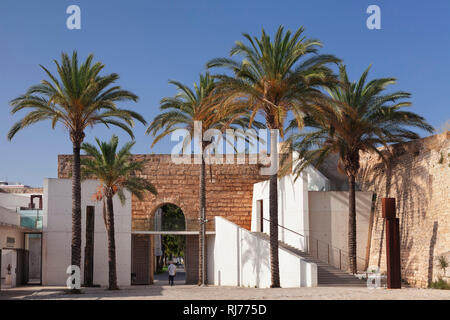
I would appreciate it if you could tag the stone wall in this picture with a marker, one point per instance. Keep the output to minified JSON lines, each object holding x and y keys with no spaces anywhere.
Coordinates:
{"x":228,"y":188}
{"x":22,"y":190}
{"x":418,"y":177}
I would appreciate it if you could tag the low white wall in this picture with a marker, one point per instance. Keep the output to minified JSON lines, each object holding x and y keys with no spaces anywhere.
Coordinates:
{"x":57,"y":233}
{"x":328,"y":218}
{"x":240,"y":258}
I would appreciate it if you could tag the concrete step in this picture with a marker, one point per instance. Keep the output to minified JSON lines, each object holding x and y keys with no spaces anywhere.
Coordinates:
{"x":327,"y":275}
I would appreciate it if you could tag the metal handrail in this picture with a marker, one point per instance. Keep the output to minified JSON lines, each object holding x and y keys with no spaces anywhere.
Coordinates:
{"x":308,"y":249}
{"x":286,"y":228}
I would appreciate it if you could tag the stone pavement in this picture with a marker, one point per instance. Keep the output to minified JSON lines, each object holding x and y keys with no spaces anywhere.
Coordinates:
{"x":193,"y":292}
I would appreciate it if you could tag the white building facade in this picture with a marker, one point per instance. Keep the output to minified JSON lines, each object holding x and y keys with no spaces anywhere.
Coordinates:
{"x":57,"y":233}
{"x":311,"y":219}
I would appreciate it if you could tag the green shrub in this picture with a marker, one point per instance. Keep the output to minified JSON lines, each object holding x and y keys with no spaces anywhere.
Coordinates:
{"x":443,"y":263}
{"x":440,"y":284}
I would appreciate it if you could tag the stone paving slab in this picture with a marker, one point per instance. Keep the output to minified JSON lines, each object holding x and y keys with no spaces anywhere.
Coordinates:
{"x":193,"y":292}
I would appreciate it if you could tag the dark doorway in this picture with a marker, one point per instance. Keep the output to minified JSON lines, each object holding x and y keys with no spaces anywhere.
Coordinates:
{"x":89,"y":247}
{"x":22,"y":267}
{"x":33,"y":262}
{"x":260,"y":217}
{"x":141,"y":268}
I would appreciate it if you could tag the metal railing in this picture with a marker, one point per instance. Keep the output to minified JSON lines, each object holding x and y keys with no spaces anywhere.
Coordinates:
{"x":31,"y":218}
{"x":323,"y":251}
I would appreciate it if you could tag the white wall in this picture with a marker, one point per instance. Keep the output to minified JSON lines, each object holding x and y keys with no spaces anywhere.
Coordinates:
{"x":316,"y":180}
{"x":9,"y":256}
{"x":292,"y":209}
{"x":57,"y":233}
{"x":240,"y":258}
{"x":15,"y":200}
{"x":328,"y":217}
{"x":9,"y":216}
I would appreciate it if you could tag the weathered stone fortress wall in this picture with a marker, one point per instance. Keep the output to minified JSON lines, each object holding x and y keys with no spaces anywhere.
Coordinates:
{"x":22,"y":190}
{"x":419,"y":178}
{"x":229,"y":188}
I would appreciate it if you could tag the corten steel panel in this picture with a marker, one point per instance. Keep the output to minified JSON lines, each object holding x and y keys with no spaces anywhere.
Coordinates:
{"x":393,"y":254}
{"x":89,"y":248}
{"x":388,"y":208}
{"x":393,"y":261}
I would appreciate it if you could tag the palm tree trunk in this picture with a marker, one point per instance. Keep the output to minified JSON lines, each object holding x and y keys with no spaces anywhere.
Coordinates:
{"x":202,"y":238}
{"x":352,"y":266}
{"x":273,"y":213}
{"x":111,"y":245}
{"x":76,"y":206}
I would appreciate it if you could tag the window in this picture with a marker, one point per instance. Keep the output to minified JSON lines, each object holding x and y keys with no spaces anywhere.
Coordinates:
{"x":10,"y":242}
{"x":260,"y":215}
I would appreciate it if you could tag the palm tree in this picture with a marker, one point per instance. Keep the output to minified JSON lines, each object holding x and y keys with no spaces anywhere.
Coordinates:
{"x":366,"y":119}
{"x":274,"y":78}
{"x":116,"y":172}
{"x":182,"y":112}
{"x":80,"y":98}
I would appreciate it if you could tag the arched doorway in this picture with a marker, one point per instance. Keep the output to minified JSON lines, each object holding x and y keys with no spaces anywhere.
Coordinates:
{"x":165,"y":234}
{"x":170,"y":244}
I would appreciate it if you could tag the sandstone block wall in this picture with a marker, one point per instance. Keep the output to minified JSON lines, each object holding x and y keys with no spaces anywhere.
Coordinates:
{"x":419,"y":178}
{"x":229,"y":188}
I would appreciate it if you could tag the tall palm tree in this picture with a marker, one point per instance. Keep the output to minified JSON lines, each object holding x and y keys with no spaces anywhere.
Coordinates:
{"x":366,"y":119}
{"x":182,"y":112}
{"x":116,"y":172}
{"x":81,"y":97}
{"x":274,"y":78}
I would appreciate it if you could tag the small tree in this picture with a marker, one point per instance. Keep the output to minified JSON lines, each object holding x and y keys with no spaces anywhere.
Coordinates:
{"x":443,"y":264}
{"x":116,"y":172}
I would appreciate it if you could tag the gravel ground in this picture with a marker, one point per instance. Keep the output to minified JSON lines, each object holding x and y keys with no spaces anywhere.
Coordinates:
{"x":193,"y":292}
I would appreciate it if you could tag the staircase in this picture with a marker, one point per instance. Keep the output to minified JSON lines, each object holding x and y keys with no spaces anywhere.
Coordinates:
{"x":328,"y":276}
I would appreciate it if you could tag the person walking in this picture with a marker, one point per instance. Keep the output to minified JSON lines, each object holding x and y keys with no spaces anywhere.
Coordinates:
{"x":172,"y":272}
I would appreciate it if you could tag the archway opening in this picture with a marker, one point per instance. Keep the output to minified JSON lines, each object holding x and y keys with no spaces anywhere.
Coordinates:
{"x":169,"y":246}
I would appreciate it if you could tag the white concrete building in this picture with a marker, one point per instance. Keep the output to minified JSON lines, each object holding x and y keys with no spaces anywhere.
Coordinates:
{"x":312,"y":224}
{"x":313,"y":221}
{"x":57,"y":233}
{"x":15,"y":243}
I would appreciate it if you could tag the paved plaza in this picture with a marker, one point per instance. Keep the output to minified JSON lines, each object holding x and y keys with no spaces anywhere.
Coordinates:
{"x":193,"y":292}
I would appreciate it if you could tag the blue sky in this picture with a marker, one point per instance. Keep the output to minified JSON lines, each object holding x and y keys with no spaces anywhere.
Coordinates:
{"x":150,"y":42}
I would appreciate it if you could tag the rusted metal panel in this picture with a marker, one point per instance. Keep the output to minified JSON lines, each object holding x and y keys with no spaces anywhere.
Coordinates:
{"x":392,"y":244}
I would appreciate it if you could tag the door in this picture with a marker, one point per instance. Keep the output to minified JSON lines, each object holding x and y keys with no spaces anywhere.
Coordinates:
{"x":22,"y":267}
{"x":140,"y":259}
